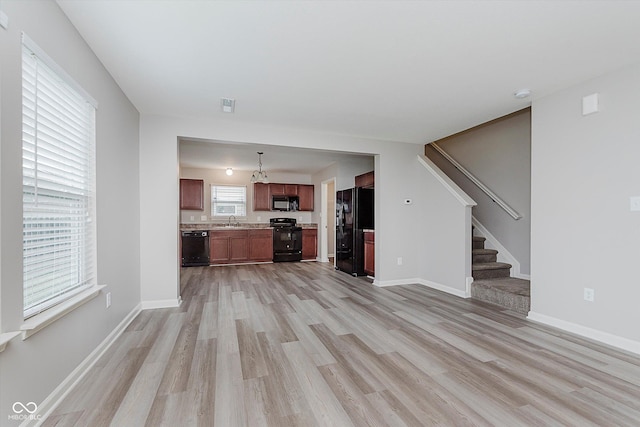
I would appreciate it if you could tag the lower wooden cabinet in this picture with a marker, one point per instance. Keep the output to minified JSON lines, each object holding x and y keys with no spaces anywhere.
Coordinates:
{"x":238,"y":246}
{"x":369,"y":253}
{"x":309,"y":243}
{"x":261,"y":245}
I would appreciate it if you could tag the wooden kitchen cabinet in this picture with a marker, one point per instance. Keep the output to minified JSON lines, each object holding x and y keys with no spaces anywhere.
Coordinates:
{"x":305,"y":197}
{"x":228,"y":246}
{"x":240,"y":246}
{"x":366,"y":180}
{"x":291,"y":189}
{"x":309,"y":243}
{"x":261,"y":197}
{"x":261,"y":245}
{"x":369,"y":253}
{"x":276,"y":189}
{"x":192,"y":194}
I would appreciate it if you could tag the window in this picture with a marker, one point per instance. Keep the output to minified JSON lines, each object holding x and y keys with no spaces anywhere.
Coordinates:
{"x":58,"y":182}
{"x":228,"y":200}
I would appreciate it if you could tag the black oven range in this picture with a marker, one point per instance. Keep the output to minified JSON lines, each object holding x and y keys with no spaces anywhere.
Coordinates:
{"x":287,"y":240}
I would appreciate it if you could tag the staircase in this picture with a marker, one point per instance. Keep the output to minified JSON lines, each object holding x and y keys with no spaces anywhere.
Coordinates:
{"x":492,"y":281}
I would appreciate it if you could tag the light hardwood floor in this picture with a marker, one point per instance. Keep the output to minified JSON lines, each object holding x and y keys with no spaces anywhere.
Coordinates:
{"x":299,"y":344}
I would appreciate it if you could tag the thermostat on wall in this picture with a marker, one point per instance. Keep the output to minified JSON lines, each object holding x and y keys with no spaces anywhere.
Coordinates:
{"x":408,"y":201}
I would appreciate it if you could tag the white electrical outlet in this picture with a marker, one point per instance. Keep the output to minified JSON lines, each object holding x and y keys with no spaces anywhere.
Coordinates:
{"x":634,"y":204}
{"x":259,"y":218}
{"x":589,"y":294}
{"x":399,"y":260}
{"x":108,"y":299}
{"x":203,"y":217}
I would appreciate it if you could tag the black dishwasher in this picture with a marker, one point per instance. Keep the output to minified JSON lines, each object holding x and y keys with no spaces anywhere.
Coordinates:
{"x":195,"y":248}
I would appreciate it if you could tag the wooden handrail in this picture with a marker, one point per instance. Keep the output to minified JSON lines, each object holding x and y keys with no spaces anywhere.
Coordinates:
{"x":514,"y":214}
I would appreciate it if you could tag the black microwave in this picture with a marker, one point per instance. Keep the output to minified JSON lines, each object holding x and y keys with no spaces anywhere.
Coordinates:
{"x":284,"y":203}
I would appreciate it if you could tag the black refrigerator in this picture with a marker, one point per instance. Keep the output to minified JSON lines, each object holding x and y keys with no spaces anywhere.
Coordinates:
{"x":354,"y":213}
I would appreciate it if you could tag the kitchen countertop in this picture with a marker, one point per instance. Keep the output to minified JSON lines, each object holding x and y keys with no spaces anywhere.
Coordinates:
{"x":242,"y":226}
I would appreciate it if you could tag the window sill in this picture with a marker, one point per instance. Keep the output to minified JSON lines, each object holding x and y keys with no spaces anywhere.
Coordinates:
{"x":5,"y":338}
{"x":44,"y":319}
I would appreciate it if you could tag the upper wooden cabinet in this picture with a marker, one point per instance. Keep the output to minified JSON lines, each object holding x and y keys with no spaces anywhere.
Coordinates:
{"x":261,"y":197}
{"x":276,"y":189}
{"x":263,"y":193}
{"x":192,"y":194}
{"x":305,"y":194}
{"x":366,"y":180}
{"x":291,"y":189}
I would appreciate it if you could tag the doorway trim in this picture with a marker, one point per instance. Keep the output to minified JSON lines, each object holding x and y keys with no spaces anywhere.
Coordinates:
{"x":326,"y":226}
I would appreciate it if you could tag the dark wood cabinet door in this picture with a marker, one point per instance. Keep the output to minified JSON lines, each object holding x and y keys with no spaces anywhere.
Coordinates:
{"x":309,"y":243}
{"x":238,"y":247}
{"x":291,"y":189}
{"x":261,"y":198}
{"x":369,"y":253}
{"x":261,"y":245}
{"x":305,"y":196}
{"x":192,"y":194}
{"x":218,"y":248}
{"x":276,"y":189}
{"x":366,"y":180}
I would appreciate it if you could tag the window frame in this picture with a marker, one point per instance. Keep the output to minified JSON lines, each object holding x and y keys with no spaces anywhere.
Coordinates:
{"x":57,"y":187}
{"x":226,"y":215}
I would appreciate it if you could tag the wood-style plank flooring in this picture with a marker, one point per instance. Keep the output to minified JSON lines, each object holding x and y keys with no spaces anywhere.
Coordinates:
{"x":299,"y":344}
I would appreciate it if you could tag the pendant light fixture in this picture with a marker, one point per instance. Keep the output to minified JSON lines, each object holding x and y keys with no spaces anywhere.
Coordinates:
{"x":260,"y":175}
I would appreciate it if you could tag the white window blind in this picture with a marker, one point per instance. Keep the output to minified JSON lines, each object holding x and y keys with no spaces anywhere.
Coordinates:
{"x":228,"y":200}
{"x":58,"y":179}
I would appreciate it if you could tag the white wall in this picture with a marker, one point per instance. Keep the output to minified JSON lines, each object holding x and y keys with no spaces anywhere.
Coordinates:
{"x":583,"y":235}
{"x":395,"y":226}
{"x":31,"y":369}
{"x":499,"y":155}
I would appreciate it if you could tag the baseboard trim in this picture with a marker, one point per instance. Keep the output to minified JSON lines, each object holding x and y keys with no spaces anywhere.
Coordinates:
{"x":593,"y":334}
{"x":53,"y":400}
{"x":423,"y":282}
{"x":164,"y":303}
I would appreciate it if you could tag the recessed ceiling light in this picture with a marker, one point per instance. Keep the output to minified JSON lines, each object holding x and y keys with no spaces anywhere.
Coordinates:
{"x":522,"y":93}
{"x":229,"y":171}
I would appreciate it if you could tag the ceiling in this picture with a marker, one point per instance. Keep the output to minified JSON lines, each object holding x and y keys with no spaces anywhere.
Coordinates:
{"x":217,"y":155}
{"x":408,"y":71}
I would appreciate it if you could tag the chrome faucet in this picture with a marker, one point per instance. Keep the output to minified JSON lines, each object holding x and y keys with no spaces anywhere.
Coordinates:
{"x":234,"y":218}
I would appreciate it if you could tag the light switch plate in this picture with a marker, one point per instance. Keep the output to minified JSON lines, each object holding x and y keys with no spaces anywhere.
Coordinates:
{"x":634,"y":203}
{"x":590,"y":104}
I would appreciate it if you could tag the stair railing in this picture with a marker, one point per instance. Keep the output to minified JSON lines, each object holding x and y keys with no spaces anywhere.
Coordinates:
{"x":514,"y":214}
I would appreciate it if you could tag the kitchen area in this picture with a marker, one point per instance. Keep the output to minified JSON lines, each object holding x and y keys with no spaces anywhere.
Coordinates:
{"x":230,"y":214}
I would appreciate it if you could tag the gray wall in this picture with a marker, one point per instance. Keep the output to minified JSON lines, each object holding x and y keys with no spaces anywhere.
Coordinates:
{"x":31,"y":369}
{"x":499,"y":155}
{"x":583,"y":234}
{"x":396,"y":167}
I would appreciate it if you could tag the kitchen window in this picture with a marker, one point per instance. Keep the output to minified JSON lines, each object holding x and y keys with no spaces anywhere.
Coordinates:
{"x":227,"y":200}
{"x":58,"y":182}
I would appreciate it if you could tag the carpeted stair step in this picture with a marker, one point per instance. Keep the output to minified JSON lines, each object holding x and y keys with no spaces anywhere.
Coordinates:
{"x":490,"y":270}
{"x":478,"y":242}
{"x":509,"y":292}
{"x":484,"y":255}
